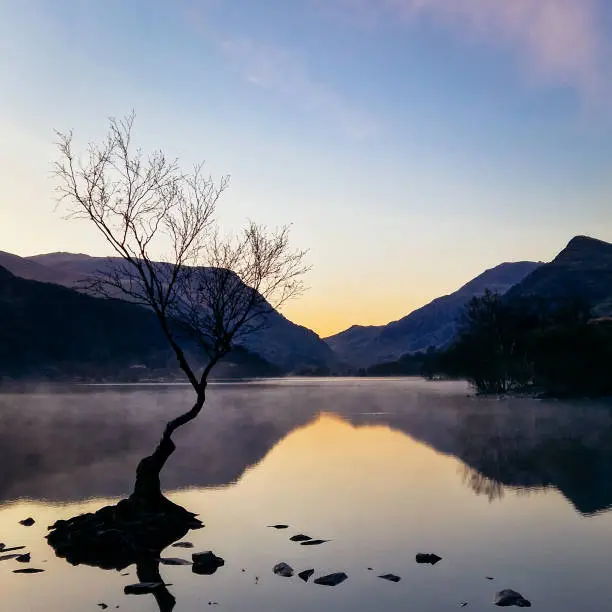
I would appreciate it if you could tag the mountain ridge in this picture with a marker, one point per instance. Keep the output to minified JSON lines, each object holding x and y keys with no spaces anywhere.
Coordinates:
{"x":433,"y":324}
{"x":283,"y":343}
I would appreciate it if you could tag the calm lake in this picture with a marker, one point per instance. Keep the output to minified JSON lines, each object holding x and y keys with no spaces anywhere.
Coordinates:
{"x":517,"y":490}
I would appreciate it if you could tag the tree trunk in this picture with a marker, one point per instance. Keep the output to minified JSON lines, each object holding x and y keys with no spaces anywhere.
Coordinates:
{"x":147,"y":488}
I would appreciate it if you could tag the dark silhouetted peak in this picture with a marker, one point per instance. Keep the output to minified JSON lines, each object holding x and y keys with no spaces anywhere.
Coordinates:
{"x":582,"y":270}
{"x":583,"y":249}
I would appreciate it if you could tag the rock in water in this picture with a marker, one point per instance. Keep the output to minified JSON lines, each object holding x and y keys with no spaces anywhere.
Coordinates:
{"x":103,"y":606}
{"x":27,"y":522}
{"x":428,"y":558}
{"x":206,"y":563}
{"x":300,"y":538}
{"x":142,"y":588}
{"x":12,"y":548}
{"x":7,"y":557}
{"x":331,"y":579}
{"x":28,"y":570}
{"x":313,"y":542}
{"x":283,"y":569}
{"x":508,"y":597}
{"x":390,"y":577}
{"x":183,"y":545}
{"x":306,"y":574}
{"x":279,"y":526}
{"x":23,"y":558}
{"x":174,"y":561}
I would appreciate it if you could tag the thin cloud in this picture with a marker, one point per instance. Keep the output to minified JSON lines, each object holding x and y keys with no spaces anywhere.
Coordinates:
{"x":287,"y":74}
{"x":559,"y":42}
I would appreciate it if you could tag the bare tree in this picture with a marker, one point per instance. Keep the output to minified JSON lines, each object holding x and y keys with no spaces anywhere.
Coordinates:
{"x":208,"y":290}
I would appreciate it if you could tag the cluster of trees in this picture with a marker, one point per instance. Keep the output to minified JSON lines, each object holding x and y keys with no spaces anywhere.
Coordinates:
{"x":529,"y":344}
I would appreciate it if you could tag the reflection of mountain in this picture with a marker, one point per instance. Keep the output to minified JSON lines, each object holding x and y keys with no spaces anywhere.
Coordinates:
{"x":75,"y":445}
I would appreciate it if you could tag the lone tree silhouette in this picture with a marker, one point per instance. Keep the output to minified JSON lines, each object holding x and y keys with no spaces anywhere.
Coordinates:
{"x":209,"y":291}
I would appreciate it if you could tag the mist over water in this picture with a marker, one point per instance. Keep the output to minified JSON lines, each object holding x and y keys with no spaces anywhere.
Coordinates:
{"x":516,"y":489}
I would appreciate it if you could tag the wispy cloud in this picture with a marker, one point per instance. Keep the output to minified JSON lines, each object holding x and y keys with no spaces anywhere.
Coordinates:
{"x":560,"y":42}
{"x":286,"y":73}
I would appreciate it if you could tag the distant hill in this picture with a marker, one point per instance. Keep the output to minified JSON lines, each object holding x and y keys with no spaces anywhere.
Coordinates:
{"x":282,"y":343}
{"x":432,"y":325}
{"x":52,"y":332}
{"x":582,"y":270}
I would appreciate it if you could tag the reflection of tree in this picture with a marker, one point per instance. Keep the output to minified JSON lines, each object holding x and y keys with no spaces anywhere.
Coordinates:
{"x":530,"y":451}
{"x":127,"y":533}
{"x":480,"y":484}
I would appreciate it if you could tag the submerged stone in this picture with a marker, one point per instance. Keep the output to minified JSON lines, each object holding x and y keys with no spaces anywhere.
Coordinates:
{"x":390,"y":577}
{"x":508,"y":597}
{"x":206,"y":563}
{"x":306,"y":574}
{"x":300,"y":538}
{"x":283,"y":569}
{"x":174,"y":561}
{"x":331,"y":579}
{"x":142,"y":588}
{"x":430,"y":558}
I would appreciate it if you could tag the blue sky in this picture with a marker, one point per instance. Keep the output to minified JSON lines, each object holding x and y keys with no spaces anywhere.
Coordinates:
{"x":412,"y":143}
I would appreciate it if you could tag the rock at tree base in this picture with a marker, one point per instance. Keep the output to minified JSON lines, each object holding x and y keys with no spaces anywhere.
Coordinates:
{"x":508,"y":597}
{"x":283,"y":569}
{"x":117,"y":536}
{"x":306,"y":574}
{"x":428,"y":558}
{"x":331,"y":579}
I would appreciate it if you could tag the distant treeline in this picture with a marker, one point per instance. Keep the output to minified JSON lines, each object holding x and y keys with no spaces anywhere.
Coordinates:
{"x":521,"y":345}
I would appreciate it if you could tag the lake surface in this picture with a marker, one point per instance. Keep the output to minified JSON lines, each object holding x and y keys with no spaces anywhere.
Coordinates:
{"x":514,"y":489}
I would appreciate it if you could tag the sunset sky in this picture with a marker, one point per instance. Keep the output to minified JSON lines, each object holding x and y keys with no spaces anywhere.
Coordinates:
{"x":412,"y":143}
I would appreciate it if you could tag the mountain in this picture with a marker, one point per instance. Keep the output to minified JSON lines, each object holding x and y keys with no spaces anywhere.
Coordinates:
{"x":432,"y":325}
{"x":52,"y":332}
{"x":582,"y":270}
{"x":282,"y":343}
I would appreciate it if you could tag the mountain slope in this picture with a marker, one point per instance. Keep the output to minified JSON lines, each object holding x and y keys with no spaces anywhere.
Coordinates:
{"x":432,"y":325}
{"x":281,"y":342}
{"x":51,"y":331}
{"x":582,"y":270}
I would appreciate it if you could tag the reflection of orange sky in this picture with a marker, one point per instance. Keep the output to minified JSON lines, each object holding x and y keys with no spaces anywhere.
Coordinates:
{"x":376,"y":493}
{"x":341,"y":479}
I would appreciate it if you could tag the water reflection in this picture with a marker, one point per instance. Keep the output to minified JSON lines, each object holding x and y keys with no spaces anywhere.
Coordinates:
{"x":71,"y":446}
{"x":381,"y":474}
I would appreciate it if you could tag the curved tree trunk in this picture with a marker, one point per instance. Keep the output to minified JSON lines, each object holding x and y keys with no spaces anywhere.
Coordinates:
{"x":147,"y":488}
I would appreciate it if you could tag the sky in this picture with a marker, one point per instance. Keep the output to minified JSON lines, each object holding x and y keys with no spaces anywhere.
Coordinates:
{"x":412,"y":144}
